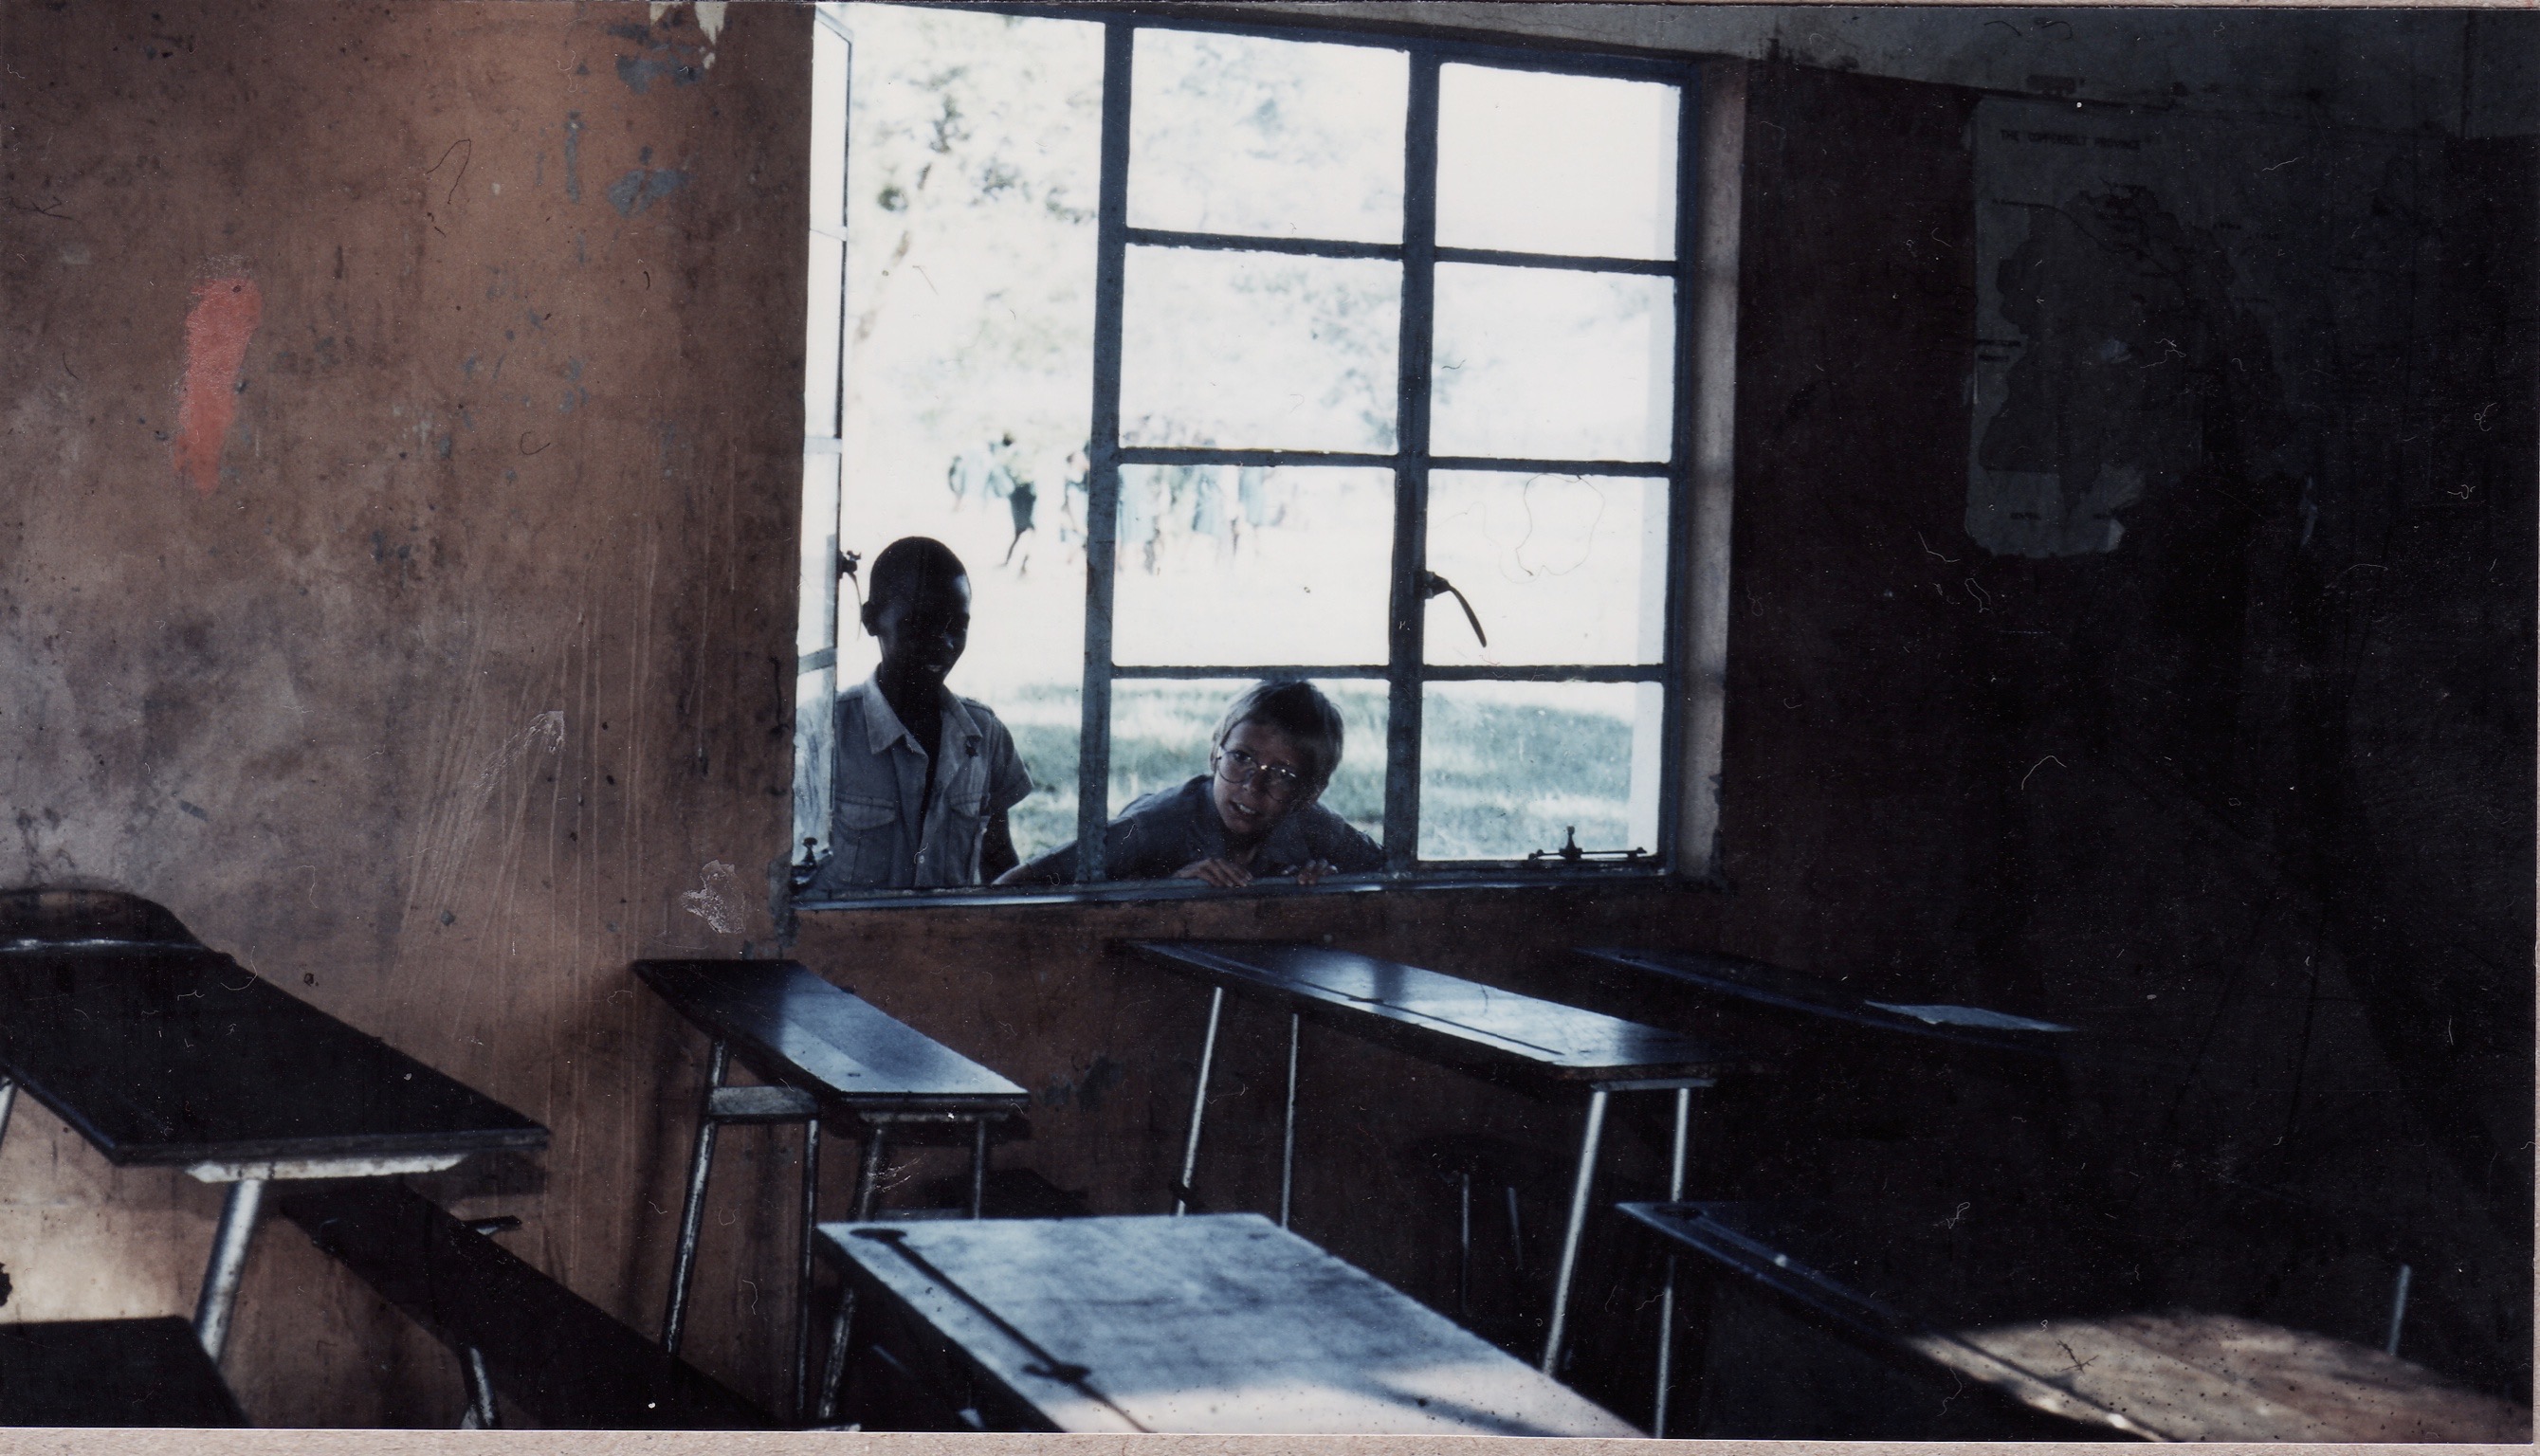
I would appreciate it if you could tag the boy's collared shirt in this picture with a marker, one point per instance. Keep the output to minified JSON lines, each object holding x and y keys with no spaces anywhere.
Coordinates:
{"x":877,"y":839}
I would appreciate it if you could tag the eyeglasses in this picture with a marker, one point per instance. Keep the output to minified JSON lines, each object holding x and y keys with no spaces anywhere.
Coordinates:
{"x":1245,"y":771}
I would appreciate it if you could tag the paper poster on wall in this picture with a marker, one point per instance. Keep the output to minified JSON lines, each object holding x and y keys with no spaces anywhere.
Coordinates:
{"x":2137,"y":282}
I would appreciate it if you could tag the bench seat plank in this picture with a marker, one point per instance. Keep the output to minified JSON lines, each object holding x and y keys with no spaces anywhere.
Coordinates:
{"x":564,"y":1359}
{"x":138,"y":1372}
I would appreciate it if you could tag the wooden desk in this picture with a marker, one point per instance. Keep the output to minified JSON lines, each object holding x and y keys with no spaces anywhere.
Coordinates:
{"x":819,"y":1047}
{"x":1498,"y":1035}
{"x":1823,"y":1002}
{"x":1872,"y":1277}
{"x":163,"y":1053}
{"x":1207,"y":1324}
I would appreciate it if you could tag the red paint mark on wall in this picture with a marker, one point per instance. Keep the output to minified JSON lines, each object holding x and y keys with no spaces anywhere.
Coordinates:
{"x":217,"y":330}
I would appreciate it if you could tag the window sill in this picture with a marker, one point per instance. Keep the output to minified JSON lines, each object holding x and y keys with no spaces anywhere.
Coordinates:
{"x":1480,"y":877}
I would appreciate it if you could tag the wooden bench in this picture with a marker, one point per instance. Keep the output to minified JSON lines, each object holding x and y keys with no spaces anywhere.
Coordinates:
{"x":560,"y":1357}
{"x":110,"y":1372}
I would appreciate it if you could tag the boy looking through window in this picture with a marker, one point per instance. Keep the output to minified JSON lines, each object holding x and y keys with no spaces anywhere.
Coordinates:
{"x":1252,"y":815}
{"x":922,"y":777}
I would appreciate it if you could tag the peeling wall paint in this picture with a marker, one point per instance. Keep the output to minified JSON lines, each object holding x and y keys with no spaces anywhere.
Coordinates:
{"x":222,"y":320}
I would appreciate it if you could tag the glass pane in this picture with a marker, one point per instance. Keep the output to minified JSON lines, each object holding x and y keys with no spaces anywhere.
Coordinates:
{"x":815,"y":630}
{"x":1509,"y":768}
{"x":1533,"y":364}
{"x":1257,"y":350}
{"x":974,"y":160}
{"x":1253,"y":566}
{"x":1266,"y":138}
{"x":1558,"y":568}
{"x":1536,"y":163}
{"x":1160,"y":732}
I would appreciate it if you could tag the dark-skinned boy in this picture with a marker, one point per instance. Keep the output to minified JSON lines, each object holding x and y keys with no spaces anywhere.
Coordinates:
{"x":922,"y":777}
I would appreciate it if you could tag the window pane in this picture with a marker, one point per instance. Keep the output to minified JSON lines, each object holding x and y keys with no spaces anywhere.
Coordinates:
{"x":1160,"y":732}
{"x":1535,"y":363}
{"x":1536,"y":163}
{"x":1266,"y":138}
{"x":1260,"y":351}
{"x":1251,"y":567}
{"x":1505,"y":768}
{"x":974,"y":160}
{"x":1558,"y":568}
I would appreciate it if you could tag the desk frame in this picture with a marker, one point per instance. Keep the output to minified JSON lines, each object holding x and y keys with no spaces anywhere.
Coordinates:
{"x":243,"y":1205}
{"x":776,"y":1104}
{"x":1582,"y":1183}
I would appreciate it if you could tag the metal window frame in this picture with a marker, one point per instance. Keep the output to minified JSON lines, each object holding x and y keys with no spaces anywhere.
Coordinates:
{"x":1406,"y":672}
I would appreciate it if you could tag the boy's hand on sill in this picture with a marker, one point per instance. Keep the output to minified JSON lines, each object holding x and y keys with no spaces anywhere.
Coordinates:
{"x":1226,"y":875}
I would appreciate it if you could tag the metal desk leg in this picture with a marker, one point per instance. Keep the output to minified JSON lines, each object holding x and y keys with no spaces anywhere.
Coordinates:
{"x":802,"y":1272}
{"x":229,"y":1259}
{"x":1465,"y":1247}
{"x":1288,"y":1136}
{"x":869,"y":1176}
{"x":8,"y":1101}
{"x":834,"y":1369}
{"x":1666,"y":1292}
{"x":1577,"y":1225}
{"x":683,"y":1263}
{"x":1199,"y":1103}
{"x":481,"y":1412}
{"x":978,"y":1166}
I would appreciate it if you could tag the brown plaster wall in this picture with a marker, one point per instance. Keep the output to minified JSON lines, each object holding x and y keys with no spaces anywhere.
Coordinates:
{"x":468,"y":680}
{"x":454,"y":693}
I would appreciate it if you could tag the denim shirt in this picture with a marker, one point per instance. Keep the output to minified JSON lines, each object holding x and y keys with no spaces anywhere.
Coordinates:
{"x":875,"y":838}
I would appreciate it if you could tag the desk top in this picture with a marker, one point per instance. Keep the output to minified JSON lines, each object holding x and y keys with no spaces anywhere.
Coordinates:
{"x":1772,"y":987}
{"x":1498,"y":1034}
{"x":160,"y":1053}
{"x":793,"y":1027}
{"x":1214,"y":1323}
{"x":2181,"y":1375}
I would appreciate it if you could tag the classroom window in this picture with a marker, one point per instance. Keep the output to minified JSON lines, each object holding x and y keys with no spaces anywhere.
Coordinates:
{"x":1221,"y":352}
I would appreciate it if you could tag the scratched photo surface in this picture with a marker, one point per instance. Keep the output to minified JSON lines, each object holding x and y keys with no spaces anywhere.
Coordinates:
{"x":1736,"y":722}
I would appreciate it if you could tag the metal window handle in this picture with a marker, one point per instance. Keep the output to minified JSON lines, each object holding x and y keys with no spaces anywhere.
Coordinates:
{"x":1431,"y":584}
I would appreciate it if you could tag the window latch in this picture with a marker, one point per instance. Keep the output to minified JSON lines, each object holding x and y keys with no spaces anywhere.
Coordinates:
{"x":1571,"y":851}
{"x":1432,"y":585}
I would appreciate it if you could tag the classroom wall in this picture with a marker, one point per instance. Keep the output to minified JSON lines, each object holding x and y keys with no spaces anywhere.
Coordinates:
{"x":431,"y":652}
{"x":453,"y":671}
{"x":2251,"y":792}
